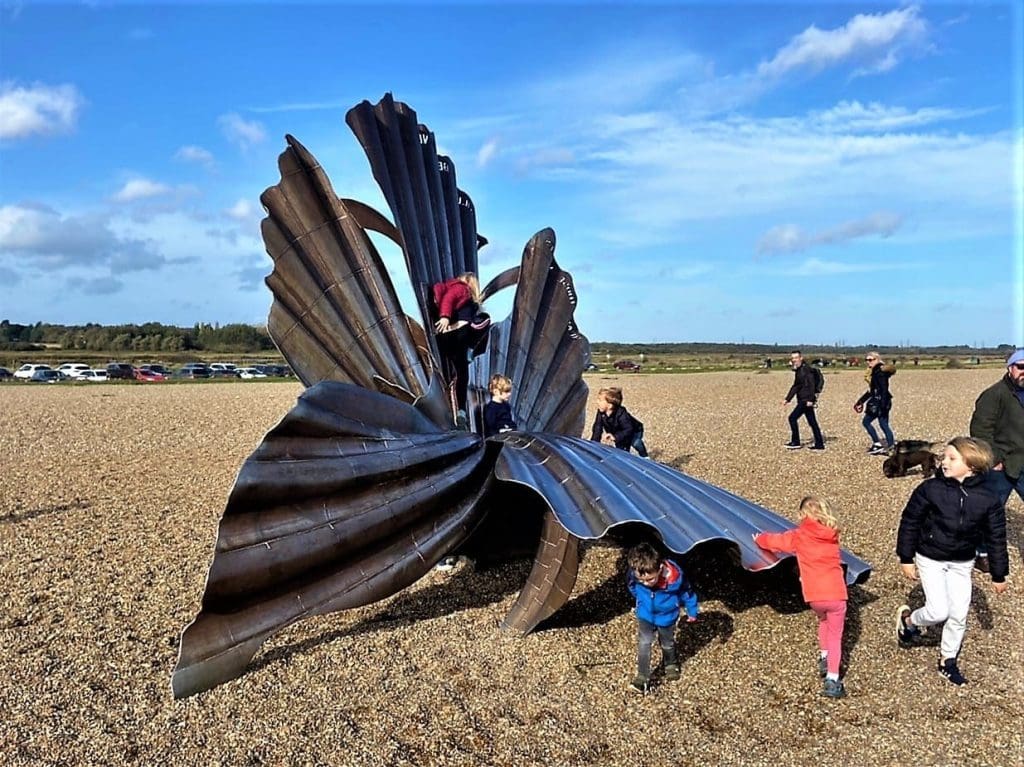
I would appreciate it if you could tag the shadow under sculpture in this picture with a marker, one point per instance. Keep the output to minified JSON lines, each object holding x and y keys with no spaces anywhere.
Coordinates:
{"x":366,"y":483}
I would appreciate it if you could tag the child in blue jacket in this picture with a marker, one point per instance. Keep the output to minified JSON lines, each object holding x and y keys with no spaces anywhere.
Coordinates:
{"x":660,"y":589}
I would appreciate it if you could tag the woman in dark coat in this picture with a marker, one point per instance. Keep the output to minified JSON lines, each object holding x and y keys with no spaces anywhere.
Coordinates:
{"x":878,"y":402}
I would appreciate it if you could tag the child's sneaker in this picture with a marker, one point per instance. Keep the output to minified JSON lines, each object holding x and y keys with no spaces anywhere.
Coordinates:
{"x":822,"y":666}
{"x":792,"y":446}
{"x":906,"y":635}
{"x":671,"y":672}
{"x":875,"y":447}
{"x":833,"y":689}
{"x":949,"y":670}
{"x":639,"y":684}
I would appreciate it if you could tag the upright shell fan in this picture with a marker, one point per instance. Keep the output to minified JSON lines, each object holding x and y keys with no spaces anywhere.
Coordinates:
{"x":364,"y":485}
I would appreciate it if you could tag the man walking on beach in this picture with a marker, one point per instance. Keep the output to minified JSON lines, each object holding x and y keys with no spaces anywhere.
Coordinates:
{"x":805,"y":390}
{"x":999,"y":420}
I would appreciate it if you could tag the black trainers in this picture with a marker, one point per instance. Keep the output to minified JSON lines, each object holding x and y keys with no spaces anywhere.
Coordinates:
{"x":447,"y":564}
{"x":822,"y":666}
{"x":878,"y":450}
{"x":875,"y":446}
{"x":639,"y":684}
{"x":949,"y":670}
{"x":671,"y":672}
{"x":816,"y":447}
{"x":833,"y":688}
{"x":906,"y":634}
{"x":793,"y":446}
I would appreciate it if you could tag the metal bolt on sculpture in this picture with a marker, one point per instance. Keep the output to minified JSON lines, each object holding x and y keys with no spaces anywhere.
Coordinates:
{"x":366,"y":483}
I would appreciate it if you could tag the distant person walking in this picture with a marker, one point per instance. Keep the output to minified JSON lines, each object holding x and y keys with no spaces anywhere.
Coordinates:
{"x":999,"y":420}
{"x":876,"y":402}
{"x":805,"y":390}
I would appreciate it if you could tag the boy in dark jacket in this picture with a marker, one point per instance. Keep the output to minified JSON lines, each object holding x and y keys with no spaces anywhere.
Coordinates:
{"x":498,"y":412}
{"x":660,"y":589}
{"x":941,"y":525}
{"x":613,"y":424}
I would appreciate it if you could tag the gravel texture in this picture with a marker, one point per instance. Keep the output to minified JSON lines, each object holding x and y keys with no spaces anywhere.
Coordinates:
{"x":109,"y":502}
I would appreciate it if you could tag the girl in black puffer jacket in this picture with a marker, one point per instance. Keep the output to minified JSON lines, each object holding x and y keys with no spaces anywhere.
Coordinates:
{"x":941,"y":526}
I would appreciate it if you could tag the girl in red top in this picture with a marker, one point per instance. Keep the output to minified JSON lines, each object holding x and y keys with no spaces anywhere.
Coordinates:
{"x":816,"y":545}
{"x":460,"y":327}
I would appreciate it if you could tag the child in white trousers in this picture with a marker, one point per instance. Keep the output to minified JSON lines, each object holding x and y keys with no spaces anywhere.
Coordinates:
{"x":941,"y":526}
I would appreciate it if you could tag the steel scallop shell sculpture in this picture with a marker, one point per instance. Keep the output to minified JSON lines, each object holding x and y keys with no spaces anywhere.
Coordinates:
{"x":366,"y":483}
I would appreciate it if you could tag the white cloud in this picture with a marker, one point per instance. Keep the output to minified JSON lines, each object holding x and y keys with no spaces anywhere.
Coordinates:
{"x":140,"y":189}
{"x":38,"y":109}
{"x":873,"y":40}
{"x":243,"y":210}
{"x":879,"y":118}
{"x":792,"y":239}
{"x":487,"y":152}
{"x":242,"y":132}
{"x":97,"y":286}
{"x":43,"y":238}
{"x":815,"y":267}
{"x":196,"y":154}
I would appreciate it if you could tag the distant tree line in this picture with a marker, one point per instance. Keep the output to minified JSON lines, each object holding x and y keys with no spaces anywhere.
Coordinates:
{"x":148,"y":337}
{"x":783,"y":350}
{"x":241,"y":339}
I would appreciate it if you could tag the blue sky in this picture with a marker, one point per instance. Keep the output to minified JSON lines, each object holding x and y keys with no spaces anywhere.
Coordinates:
{"x":787,"y":173}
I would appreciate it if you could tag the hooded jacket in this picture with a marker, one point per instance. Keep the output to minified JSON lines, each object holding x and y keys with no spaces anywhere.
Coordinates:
{"x":661,"y":603}
{"x":999,"y":420}
{"x":878,"y":388}
{"x":945,"y":520}
{"x":817,"y":557}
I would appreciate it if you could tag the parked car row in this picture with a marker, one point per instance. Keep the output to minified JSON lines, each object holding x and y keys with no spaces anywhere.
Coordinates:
{"x":77,"y":371}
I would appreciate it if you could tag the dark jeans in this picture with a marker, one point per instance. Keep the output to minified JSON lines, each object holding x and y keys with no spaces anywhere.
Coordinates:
{"x":883,"y":422}
{"x":638,"y":444}
{"x":454,"y":348}
{"x":645,"y":638}
{"x":1001,"y":486}
{"x":812,"y":420}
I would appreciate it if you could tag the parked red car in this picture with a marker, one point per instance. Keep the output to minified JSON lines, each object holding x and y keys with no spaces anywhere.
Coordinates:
{"x":629,"y":365}
{"x":148,"y":375}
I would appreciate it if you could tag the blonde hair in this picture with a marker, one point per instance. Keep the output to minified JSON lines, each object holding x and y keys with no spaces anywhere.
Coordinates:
{"x":474,"y":286}
{"x":975,"y":452}
{"x":818,"y":509}
{"x":612,"y":394}
{"x":499,"y":383}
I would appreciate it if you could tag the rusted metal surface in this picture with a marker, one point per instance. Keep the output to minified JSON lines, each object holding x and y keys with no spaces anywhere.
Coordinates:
{"x":364,"y":485}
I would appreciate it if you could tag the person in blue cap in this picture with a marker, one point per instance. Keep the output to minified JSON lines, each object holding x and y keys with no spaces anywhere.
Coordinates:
{"x":999,"y":420}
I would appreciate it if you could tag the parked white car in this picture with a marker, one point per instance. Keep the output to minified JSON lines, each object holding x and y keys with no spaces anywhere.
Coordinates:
{"x":26,"y":371}
{"x":249,"y":373}
{"x":72,"y":369}
{"x":95,"y":376}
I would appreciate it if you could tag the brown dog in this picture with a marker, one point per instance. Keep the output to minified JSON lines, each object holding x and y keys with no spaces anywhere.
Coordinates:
{"x":912,"y":452}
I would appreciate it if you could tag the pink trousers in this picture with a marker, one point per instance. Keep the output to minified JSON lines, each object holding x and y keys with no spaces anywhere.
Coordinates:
{"x":831,"y":618}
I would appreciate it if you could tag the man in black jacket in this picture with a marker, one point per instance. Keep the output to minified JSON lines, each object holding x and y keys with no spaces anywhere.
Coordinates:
{"x":803,"y":389}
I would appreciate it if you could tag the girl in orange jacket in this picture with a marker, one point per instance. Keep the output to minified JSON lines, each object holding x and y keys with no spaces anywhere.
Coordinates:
{"x":816,"y":545}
